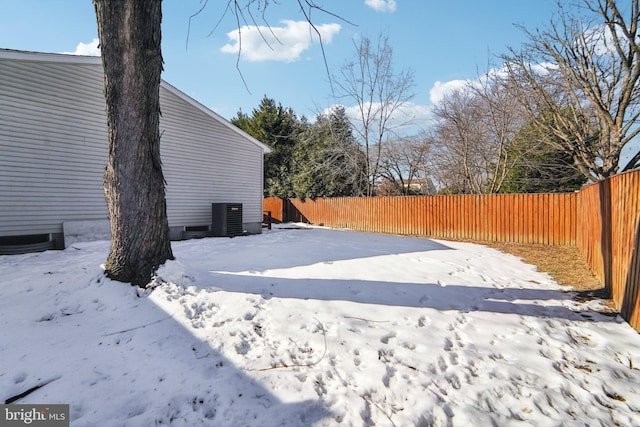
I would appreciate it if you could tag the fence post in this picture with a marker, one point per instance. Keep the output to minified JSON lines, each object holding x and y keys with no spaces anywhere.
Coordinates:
{"x":604,"y":188}
{"x":630,"y":309}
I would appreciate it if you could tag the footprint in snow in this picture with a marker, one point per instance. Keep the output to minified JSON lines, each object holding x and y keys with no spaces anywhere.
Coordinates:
{"x":409,"y":345}
{"x":20,"y":377}
{"x":454,"y":381}
{"x":423,"y":321}
{"x":448,"y":344}
{"x":319,"y":386}
{"x":453,"y":358}
{"x":385,"y":339}
{"x":442,"y":364}
{"x":390,"y":372}
{"x":243,"y":347}
{"x":460,"y":321}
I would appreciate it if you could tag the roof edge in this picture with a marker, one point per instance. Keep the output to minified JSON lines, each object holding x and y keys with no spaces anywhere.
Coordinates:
{"x":208,"y":111}
{"x":24,"y":55}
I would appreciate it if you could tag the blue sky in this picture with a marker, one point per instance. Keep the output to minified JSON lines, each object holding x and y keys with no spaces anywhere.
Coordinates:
{"x":441,"y":41}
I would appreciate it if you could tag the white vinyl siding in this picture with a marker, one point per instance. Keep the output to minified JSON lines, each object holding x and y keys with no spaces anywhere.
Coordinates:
{"x":52,"y":146}
{"x":53,"y":149}
{"x":205,"y":162}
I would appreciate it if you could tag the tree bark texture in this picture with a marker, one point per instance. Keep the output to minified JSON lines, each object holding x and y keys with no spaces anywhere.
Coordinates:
{"x":134,"y":185}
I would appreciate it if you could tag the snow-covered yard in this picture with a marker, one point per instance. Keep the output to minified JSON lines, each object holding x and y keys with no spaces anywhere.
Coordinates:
{"x":313,"y":327}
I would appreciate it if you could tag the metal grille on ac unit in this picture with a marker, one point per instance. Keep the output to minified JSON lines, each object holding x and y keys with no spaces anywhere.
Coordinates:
{"x":226,"y":219}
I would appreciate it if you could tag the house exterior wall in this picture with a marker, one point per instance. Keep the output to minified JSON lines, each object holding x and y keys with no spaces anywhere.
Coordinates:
{"x":53,"y":149}
{"x":197,"y":175}
{"x":52,"y":146}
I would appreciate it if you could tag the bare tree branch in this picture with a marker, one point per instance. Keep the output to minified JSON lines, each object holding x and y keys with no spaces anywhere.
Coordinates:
{"x":243,"y":12}
{"x":370,"y":82}
{"x":588,"y":78}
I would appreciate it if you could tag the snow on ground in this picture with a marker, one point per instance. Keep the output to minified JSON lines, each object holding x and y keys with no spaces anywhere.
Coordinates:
{"x":305,"y":326}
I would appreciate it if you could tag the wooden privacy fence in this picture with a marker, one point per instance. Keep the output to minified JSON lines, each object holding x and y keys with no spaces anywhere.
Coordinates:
{"x":526,"y":218}
{"x":602,"y":221}
{"x":608,"y":224}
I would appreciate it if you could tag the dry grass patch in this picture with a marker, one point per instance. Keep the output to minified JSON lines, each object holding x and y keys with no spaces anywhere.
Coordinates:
{"x":563,"y":263}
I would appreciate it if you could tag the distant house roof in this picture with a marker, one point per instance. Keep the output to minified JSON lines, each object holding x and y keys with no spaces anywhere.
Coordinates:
{"x":96,"y":60}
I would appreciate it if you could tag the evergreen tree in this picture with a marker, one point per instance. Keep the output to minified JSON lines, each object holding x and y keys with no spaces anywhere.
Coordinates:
{"x":543,"y":168}
{"x":321,"y":159}
{"x":329,"y":162}
{"x":277,"y":127}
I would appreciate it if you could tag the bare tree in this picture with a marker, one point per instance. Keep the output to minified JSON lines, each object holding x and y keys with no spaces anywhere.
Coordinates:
{"x":129,"y":33}
{"x":402,"y":165}
{"x":459,"y":136}
{"x":501,"y":118}
{"x":481,"y":144}
{"x":584,"y":71}
{"x":379,"y":93}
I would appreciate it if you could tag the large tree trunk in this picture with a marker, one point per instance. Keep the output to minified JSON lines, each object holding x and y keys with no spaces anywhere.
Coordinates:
{"x":129,"y":33}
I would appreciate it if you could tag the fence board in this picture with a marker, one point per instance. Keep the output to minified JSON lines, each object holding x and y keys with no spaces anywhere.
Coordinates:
{"x":275,"y":206}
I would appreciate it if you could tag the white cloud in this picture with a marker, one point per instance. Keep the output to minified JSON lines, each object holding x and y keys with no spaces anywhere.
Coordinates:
{"x":408,"y":119}
{"x":440,"y":89}
{"x":381,"y":5}
{"x":88,"y":49}
{"x":285,"y":43}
